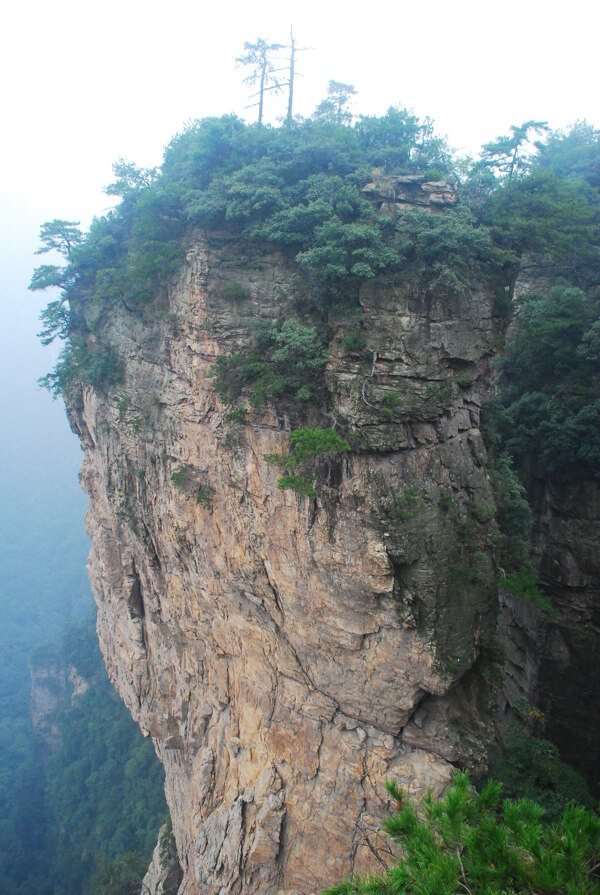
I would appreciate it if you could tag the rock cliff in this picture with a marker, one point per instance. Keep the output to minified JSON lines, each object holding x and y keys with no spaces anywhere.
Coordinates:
{"x":288,"y":654}
{"x":48,"y":690}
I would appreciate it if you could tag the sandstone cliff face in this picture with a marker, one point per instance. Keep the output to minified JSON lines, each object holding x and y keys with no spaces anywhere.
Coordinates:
{"x":288,"y":655}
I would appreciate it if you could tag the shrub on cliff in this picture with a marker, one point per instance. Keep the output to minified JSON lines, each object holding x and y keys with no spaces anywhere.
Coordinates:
{"x":285,"y":359}
{"x":476,"y":844}
{"x":306,"y":447}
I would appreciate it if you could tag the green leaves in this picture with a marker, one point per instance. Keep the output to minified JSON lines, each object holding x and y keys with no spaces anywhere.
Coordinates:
{"x":285,"y":359}
{"x":512,"y":155}
{"x":549,"y":401}
{"x":449,"y":252}
{"x":306,"y":447}
{"x":465,"y":842}
{"x":60,"y":236}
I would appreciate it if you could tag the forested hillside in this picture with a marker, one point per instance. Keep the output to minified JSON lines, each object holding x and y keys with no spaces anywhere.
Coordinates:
{"x":90,"y":812}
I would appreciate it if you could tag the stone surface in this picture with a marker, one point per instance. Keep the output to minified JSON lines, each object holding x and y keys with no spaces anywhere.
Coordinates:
{"x":276,"y":648}
{"x":551,"y":663}
{"x":48,"y":690}
{"x":389,"y":192}
{"x":164,"y":873}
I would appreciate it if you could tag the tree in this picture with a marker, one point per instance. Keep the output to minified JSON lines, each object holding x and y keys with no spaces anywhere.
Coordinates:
{"x":334,"y":108}
{"x":129,"y":179}
{"x":511,"y":155}
{"x":258,"y":56}
{"x":292,"y":74}
{"x":60,"y":236}
{"x":288,"y":117}
{"x":473,"y":844}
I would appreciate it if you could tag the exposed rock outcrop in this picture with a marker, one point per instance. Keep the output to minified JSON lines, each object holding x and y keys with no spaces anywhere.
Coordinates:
{"x":551,"y":662}
{"x":287,"y":655}
{"x":164,"y":873}
{"x":48,"y":690}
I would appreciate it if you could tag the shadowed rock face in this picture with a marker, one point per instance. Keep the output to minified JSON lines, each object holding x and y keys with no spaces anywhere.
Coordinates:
{"x":553,"y":663}
{"x":288,"y":655}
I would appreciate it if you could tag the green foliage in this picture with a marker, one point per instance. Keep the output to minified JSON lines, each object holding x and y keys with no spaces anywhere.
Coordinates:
{"x":204,"y":495}
{"x":543,"y":214}
{"x":525,"y":584}
{"x":530,"y":767}
{"x":98,"y":797}
{"x":446,"y":501}
{"x":574,"y":154}
{"x":123,"y":406}
{"x":390,"y":403}
{"x":298,"y":482}
{"x":463,"y":380}
{"x":398,"y":141}
{"x":448,"y":253}
{"x":60,"y":236}
{"x":513,"y":513}
{"x":120,"y":877}
{"x":306,"y":444}
{"x":296,"y":186}
{"x":78,"y":365}
{"x":469,"y":842}
{"x":334,"y":108}
{"x":285,"y":360}
{"x":263,"y":73}
{"x":512,"y":155}
{"x":233,"y":291}
{"x":405,"y":506}
{"x":549,"y":403}
{"x":306,"y":447}
{"x":355,"y":341}
{"x":180,"y":476}
{"x":237,"y":416}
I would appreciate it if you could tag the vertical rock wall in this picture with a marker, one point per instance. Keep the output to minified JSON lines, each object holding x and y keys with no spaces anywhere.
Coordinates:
{"x":287,"y":655}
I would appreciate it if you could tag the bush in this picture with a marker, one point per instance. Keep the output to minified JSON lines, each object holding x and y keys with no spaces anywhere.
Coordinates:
{"x":306,"y":446}
{"x":405,"y":506}
{"x":180,"y":475}
{"x":234,"y":292}
{"x":474,"y":843}
{"x":283,"y":360}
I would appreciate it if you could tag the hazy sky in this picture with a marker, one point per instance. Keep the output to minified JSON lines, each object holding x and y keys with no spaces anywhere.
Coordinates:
{"x":85,"y":83}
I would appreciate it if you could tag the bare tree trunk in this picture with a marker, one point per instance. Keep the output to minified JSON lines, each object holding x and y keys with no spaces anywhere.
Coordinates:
{"x":288,"y":119}
{"x":261,"y":98}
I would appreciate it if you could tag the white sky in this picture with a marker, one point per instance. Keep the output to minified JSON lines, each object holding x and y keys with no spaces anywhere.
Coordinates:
{"x":84,"y":84}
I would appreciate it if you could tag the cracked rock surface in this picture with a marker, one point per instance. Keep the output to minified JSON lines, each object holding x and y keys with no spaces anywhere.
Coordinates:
{"x":286,"y":655}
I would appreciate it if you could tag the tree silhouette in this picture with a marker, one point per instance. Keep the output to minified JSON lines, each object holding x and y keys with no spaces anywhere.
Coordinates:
{"x":334,"y":107}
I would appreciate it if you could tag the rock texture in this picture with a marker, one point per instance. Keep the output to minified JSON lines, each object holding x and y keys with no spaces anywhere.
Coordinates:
{"x":48,"y":690}
{"x":551,"y":663}
{"x":389,"y":193}
{"x":164,"y":873}
{"x":288,"y":655}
